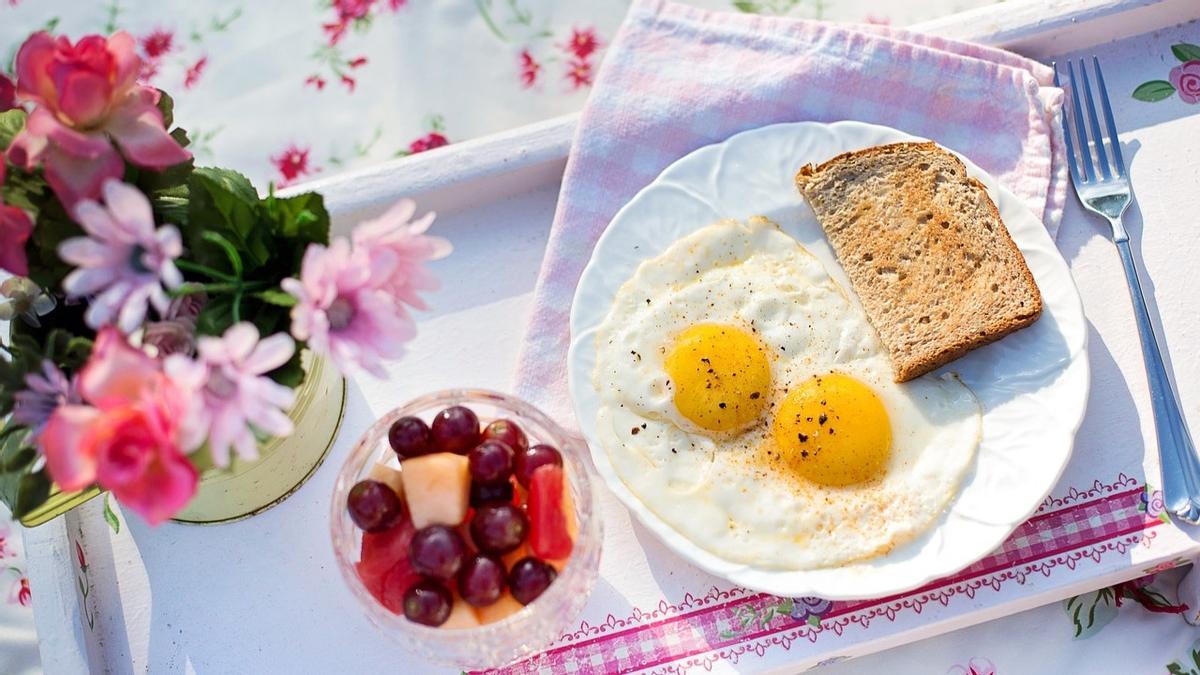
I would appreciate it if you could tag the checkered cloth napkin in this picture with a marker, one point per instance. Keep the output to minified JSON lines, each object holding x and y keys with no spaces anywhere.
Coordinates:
{"x":677,"y":78}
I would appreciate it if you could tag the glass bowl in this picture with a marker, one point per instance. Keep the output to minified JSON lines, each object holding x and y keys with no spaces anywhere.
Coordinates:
{"x":535,"y":625}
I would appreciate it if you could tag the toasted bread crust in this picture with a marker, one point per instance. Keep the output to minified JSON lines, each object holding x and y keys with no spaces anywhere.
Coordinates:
{"x":925,"y":249}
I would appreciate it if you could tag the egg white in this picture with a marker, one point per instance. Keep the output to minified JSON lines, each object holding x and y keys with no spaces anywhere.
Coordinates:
{"x":718,"y":491}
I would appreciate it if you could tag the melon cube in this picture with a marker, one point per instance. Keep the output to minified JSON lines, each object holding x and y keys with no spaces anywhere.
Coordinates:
{"x":389,"y":477}
{"x":499,"y":609}
{"x":437,"y":488}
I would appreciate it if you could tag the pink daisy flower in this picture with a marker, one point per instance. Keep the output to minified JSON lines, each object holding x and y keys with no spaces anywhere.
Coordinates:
{"x":236,"y":398}
{"x":342,"y":310}
{"x":124,"y":263}
{"x":395,"y":234}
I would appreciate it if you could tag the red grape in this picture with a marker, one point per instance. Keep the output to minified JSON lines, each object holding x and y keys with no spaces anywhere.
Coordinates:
{"x":529,"y":578}
{"x":427,"y":602}
{"x":437,"y":551}
{"x":498,"y":528}
{"x":487,"y":493}
{"x":539,"y":455}
{"x":373,"y":506}
{"x":508,"y":432}
{"x":410,"y":437}
{"x":481,"y":580}
{"x":490,"y":462}
{"x":455,"y":429}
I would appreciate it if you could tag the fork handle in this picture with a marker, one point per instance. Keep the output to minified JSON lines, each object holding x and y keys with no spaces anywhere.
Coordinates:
{"x":1177,"y":453}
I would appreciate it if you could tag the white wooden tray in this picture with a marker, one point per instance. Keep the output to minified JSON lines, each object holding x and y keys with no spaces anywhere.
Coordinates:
{"x":263,"y":595}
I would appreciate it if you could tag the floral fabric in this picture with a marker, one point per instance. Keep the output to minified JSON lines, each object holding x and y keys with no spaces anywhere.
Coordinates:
{"x":289,"y":90}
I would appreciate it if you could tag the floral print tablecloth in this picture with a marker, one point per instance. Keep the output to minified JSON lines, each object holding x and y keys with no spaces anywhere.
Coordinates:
{"x":287,"y":90}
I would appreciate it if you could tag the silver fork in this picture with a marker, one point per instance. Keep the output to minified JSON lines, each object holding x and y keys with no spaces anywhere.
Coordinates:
{"x":1108,"y":194}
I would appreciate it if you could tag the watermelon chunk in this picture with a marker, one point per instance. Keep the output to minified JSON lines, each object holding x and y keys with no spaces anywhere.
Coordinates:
{"x":549,"y":537}
{"x":395,"y":583}
{"x":381,"y":551}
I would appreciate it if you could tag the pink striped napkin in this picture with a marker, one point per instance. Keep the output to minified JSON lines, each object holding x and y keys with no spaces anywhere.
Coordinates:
{"x":677,"y":78}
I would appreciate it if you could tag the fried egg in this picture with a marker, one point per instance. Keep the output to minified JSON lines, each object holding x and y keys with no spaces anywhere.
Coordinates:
{"x":750,"y":405}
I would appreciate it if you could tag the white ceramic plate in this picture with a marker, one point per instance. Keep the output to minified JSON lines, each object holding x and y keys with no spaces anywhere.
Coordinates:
{"x":1033,"y":384}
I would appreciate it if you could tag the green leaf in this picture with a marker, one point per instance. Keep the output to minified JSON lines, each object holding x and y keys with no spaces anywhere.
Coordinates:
{"x":1091,"y":611}
{"x":216,"y":316}
{"x":32,"y":492}
{"x":747,"y":6}
{"x":181,"y":137}
{"x":303,"y":219}
{"x":19,"y":461}
{"x":1154,"y":90}
{"x":68,"y":352}
{"x":277,"y":297}
{"x":111,"y":518}
{"x":1186,"y":51}
{"x":11,"y":124}
{"x":12,"y":434}
{"x":728,"y":634}
{"x":166,"y":106}
{"x":10,"y":481}
{"x":231,"y":254}
{"x":52,"y":226}
{"x":225,"y":202}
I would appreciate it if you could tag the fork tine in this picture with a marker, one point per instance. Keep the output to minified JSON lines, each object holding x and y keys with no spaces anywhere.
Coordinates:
{"x":1097,"y":134}
{"x":1114,"y":140}
{"x":1081,"y":129}
{"x":1072,"y":161}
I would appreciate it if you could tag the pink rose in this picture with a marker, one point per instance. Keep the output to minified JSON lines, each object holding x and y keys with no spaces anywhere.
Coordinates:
{"x":15,"y":226}
{"x":129,"y":439}
{"x":116,"y":372}
{"x":8,"y":93}
{"x":1186,"y":80}
{"x":87,"y":98}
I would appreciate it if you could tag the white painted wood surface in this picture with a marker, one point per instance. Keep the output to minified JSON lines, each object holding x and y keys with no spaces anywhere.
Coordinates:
{"x":262,"y":595}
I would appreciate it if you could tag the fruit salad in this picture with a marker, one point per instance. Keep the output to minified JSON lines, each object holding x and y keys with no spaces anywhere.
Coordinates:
{"x":468,"y":524}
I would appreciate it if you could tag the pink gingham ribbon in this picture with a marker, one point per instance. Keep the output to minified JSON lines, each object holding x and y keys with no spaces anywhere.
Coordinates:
{"x":677,"y":78}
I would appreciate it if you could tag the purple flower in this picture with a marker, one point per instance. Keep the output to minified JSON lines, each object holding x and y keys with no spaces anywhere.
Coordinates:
{"x":43,"y":395}
{"x":176,"y":332}
{"x":810,"y":609}
{"x":343,"y":310}
{"x":124,"y":263}
{"x":396,"y":235}
{"x":235,"y":398}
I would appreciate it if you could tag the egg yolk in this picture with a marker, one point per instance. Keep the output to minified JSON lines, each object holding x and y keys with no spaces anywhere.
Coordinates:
{"x":721,"y":375}
{"x":833,"y":430}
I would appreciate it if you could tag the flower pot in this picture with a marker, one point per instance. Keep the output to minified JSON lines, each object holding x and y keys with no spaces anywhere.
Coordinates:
{"x":246,"y":488}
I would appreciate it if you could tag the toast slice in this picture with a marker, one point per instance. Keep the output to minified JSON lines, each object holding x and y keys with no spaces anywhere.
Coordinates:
{"x":923,"y":244}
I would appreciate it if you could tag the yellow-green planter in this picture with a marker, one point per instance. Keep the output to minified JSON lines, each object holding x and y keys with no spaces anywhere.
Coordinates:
{"x":249,"y":488}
